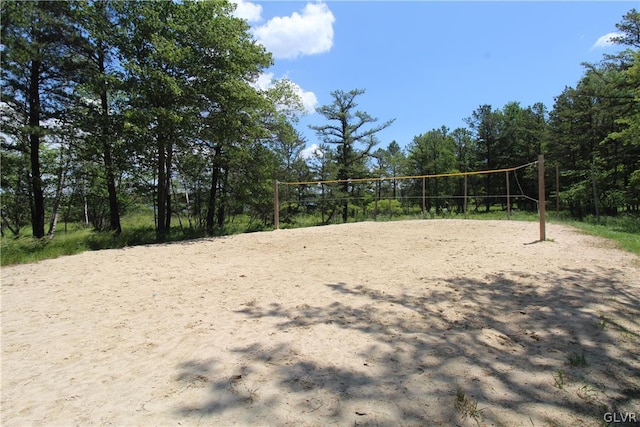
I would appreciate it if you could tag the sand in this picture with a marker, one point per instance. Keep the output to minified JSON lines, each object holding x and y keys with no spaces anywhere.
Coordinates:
{"x":438,"y":322}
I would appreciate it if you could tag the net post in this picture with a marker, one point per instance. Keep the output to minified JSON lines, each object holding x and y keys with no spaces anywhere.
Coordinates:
{"x":375,"y":206}
{"x":424,"y":197}
{"x":508,"y":197}
{"x":276,"y":205}
{"x":541,"y":199}
{"x":465,"y":196}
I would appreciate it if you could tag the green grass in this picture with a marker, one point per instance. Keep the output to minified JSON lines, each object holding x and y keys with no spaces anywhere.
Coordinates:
{"x":138,"y":230}
{"x":558,"y":379}
{"x":27,"y":249}
{"x":577,"y":359}
{"x":466,"y":405}
{"x":624,"y":230}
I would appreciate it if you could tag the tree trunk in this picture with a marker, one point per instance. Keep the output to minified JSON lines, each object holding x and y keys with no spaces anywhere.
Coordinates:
{"x":161,"y":231}
{"x":223,"y":201}
{"x":37,"y":211}
{"x":168,"y":212}
{"x":62,"y":173}
{"x":212,"y":191}
{"x":114,"y":211}
{"x":6,"y":223}
{"x":488,"y":191}
{"x":596,"y":199}
{"x":345,"y":203}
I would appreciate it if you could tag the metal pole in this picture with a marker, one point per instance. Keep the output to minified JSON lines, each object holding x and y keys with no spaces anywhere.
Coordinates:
{"x":541,"y":198}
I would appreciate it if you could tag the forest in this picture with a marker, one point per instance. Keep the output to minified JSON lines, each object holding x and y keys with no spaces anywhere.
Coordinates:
{"x":118,"y":108}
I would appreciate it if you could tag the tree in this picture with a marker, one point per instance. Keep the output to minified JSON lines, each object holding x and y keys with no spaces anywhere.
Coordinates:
{"x":38,"y":73}
{"x":630,"y":28}
{"x":523,"y":134}
{"x":101,"y":80}
{"x":347,"y":129}
{"x":592,"y":135}
{"x":486,"y":124}
{"x":324,"y":167}
{"x":629,"y":133}
{"x":190,"y":69}
{"x":397,"y":163}
{"x":433,"y":153}
{"x":465,"y":149}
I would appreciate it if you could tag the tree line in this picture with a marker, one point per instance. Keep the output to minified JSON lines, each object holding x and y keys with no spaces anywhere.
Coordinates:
{"x":592,"y":134}
{"x":108,"y":107}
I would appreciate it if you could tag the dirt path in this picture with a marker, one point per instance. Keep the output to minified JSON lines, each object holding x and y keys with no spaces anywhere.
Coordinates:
{"x":439,"y":322}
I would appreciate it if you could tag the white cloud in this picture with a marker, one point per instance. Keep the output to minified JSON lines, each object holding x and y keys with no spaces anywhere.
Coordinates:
{"x":308,"y":98}
{"x":292,"y":36}
{"x":311,"y":152}
{"x":264,"y":81}
{"x":246,"y":10}
{"x":605,"y":41}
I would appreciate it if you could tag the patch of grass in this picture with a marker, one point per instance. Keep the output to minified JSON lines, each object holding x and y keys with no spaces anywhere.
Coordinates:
{"x":627,"y":334}
{"x":137,"y":229}
{"x":587,"y":392}
{"x":577,"y":360}
{"x":558,"y":379}
{"x":624,"y":230}
{"x":467,"y":406}
{"x":27,"y":249}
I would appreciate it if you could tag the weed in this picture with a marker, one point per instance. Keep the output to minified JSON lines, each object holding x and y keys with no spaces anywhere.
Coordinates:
{"x":252,"y":394}
{"x":586,"y":392}
{"x":577,"y":360}
{"x":558,"y":379}
{"x":626,"y":333}
{"x":602,"y":323}
{"x":467,"y":406}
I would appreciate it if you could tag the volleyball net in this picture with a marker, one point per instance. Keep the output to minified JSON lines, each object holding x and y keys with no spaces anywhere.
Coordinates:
{"x":447,"y":195}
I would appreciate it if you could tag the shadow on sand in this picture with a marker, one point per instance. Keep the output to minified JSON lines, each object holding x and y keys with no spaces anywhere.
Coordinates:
{"x":499,"y":351}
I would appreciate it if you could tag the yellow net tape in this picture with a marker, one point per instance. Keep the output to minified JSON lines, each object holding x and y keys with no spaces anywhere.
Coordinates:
{"x":374,"y":179}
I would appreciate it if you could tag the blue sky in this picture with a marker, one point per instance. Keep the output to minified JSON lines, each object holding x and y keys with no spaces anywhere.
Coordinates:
{"x":428,"y":63}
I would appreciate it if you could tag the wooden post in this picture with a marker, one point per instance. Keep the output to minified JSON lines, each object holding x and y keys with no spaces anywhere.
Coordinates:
{"x":465,"y":196}
{"x":276,"y":205}
{"x":508,"y":197}
{"x":424,"y":199}
{"x":541,"y":198}
{"x":557,"y":189}
{"x":375,"y":208}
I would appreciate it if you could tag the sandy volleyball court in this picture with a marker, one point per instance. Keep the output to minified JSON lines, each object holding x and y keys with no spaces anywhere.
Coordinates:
{"x":399,"y":323}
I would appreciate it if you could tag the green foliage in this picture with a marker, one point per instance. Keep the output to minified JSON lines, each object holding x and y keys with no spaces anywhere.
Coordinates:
{"x":346,"y":133}
{"x":624,"y":230}
{"x":386,"y":207}
{"x":161,"y":111}
{"x":28,"y":249}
